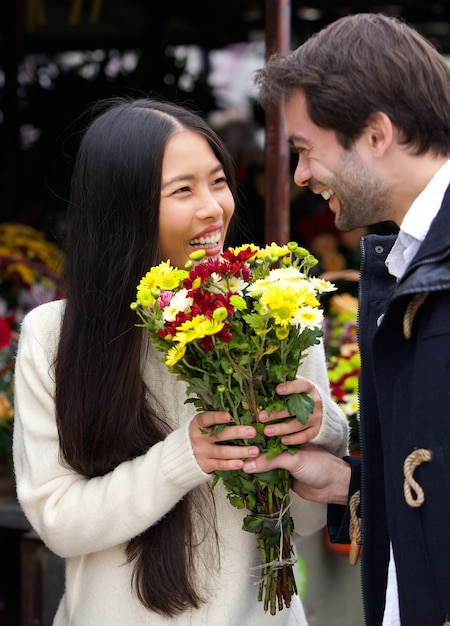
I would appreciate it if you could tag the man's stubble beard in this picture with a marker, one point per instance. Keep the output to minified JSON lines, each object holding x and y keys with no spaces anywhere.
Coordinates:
{"x":363,"y":195}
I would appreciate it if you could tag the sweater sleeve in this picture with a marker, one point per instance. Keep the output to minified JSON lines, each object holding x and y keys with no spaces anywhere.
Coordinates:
{"x":308,"y":516}
{"x":334,"y":431}
{"x":75,"y":515}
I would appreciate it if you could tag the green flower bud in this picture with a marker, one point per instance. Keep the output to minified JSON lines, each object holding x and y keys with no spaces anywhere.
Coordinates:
{"x":220,"y":314}
{"x":197,"y":255}
{"x":311,"y":260}
{"x":221,"y":388}
{"x":238,"y":302}
{"x":301,"y":253}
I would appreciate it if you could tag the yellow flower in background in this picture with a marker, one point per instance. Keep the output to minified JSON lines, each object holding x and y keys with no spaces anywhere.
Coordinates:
{"x":6,"y":408}
{"x":26,"y":256}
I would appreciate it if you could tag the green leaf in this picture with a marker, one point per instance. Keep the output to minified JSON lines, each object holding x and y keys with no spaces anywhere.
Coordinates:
{"x":236,"y":501}
{"x":267,"y":477}
{"x":300,"y":405}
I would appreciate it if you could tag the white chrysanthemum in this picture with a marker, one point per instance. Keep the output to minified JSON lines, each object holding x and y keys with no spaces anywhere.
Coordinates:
{"x":289,"y":276}
{"x":321,"y":285}
{"x":236,"y":285}
{"x":180,"y":302}
{"x":232,"y":284}
{"x":309,"y":317}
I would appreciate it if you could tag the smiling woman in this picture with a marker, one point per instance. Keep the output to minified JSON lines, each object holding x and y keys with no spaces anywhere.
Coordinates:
{"x":105,"y":432}
{"x":197,"y":203}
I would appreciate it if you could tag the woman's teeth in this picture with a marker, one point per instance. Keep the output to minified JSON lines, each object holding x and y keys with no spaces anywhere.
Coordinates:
{"x":209,"y":241}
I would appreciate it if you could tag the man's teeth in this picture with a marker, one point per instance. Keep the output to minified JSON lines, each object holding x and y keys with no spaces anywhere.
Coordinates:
{"x":207,"y":240}
{"x":326,"y":195}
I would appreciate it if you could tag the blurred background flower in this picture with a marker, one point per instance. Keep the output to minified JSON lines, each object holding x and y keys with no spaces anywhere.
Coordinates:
{"x":343,"y":358}
{"x":30,"y":274}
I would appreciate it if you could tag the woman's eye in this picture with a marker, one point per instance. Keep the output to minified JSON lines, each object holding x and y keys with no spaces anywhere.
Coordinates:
{"x":220,"y":180}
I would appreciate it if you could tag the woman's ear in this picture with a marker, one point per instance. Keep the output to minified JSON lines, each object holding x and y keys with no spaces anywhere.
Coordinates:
{"x":379,"y":132}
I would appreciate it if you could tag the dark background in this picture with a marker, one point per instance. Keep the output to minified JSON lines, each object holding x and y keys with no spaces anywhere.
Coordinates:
{"x":41,"y":98}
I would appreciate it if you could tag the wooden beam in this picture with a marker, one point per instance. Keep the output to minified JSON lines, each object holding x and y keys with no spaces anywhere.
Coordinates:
{"x":276,"y":150}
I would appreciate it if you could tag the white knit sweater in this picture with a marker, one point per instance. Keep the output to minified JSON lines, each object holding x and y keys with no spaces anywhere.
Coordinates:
{"x":89,"y":522}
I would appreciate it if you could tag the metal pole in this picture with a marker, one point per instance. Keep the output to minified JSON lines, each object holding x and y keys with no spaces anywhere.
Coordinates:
{"x":276,"y":151}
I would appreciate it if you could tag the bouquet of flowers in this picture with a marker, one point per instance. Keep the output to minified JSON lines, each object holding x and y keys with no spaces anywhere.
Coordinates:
{"x":234,"y":327}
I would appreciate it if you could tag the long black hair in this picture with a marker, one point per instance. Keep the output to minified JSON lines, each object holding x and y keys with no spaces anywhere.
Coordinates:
{"x":105,"y":413}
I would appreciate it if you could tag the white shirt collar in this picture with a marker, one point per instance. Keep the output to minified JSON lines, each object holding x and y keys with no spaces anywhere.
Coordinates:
{"x":417,"y":222}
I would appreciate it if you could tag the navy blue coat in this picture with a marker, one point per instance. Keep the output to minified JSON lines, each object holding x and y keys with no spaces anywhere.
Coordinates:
{"x":405,"y":406}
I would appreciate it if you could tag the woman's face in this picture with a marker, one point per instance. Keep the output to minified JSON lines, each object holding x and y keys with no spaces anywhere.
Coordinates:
{"x":196,"y":202}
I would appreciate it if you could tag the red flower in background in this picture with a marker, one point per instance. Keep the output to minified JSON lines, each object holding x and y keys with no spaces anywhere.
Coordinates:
{"x":5,"y":333}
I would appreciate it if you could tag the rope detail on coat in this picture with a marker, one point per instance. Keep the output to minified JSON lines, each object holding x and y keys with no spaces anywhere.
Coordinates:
{"x":355,"y":529}
{"x":414,"y":494}
{"x":413,"y":306}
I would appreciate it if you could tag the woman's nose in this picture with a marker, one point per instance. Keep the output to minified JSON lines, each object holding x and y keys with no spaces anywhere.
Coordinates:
{"x":209,"y":205}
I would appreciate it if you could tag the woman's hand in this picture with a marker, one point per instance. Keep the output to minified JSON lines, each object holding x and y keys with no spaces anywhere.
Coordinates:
{"x":318,"y":475}
{"x":293,"y":431}
{"x":210,"y":452}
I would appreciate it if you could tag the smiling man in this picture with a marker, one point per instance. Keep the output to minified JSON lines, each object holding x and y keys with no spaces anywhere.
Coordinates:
{"x":367,"y":110}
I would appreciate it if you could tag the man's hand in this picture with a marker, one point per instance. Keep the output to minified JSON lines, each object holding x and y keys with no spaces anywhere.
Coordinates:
{"x":318,"y":475}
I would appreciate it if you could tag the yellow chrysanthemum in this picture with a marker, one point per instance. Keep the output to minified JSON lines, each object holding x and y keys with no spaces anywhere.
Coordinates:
{"x":163,"y":277}
{"x":282,"y":302}
{"x":175,"y":354}
{"x":238,"y":249}
{"x":276,"y":250}
{"x":197,"y":328}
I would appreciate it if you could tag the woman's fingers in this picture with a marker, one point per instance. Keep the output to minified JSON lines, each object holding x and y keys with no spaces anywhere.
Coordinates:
{"x":211,"y":451}
{"x":293,"y":432}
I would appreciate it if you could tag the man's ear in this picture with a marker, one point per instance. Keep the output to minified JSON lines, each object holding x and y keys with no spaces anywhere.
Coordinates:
{"x":379,"y":133}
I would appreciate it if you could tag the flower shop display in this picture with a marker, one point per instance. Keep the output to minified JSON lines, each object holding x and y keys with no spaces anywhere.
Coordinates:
{"x":343,"y":362}
{"x":233,"y":327}
{"x":30,"y":269}
{"x":343,"y":359}
{"x":8,"y":346}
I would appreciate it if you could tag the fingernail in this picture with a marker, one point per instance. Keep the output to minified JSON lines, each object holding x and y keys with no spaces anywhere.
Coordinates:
{"x":281,"y":388}
{"x":250,"y":432}
{"x":249,"y":466}
{"x":263,"y":417}
{"x":269,"y":431}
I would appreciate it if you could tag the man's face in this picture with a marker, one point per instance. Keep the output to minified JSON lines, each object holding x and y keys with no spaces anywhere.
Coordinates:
{"x":355,"y":192}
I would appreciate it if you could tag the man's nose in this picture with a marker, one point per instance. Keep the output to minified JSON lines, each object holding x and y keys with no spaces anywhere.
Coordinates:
{"x":302,"y":174}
